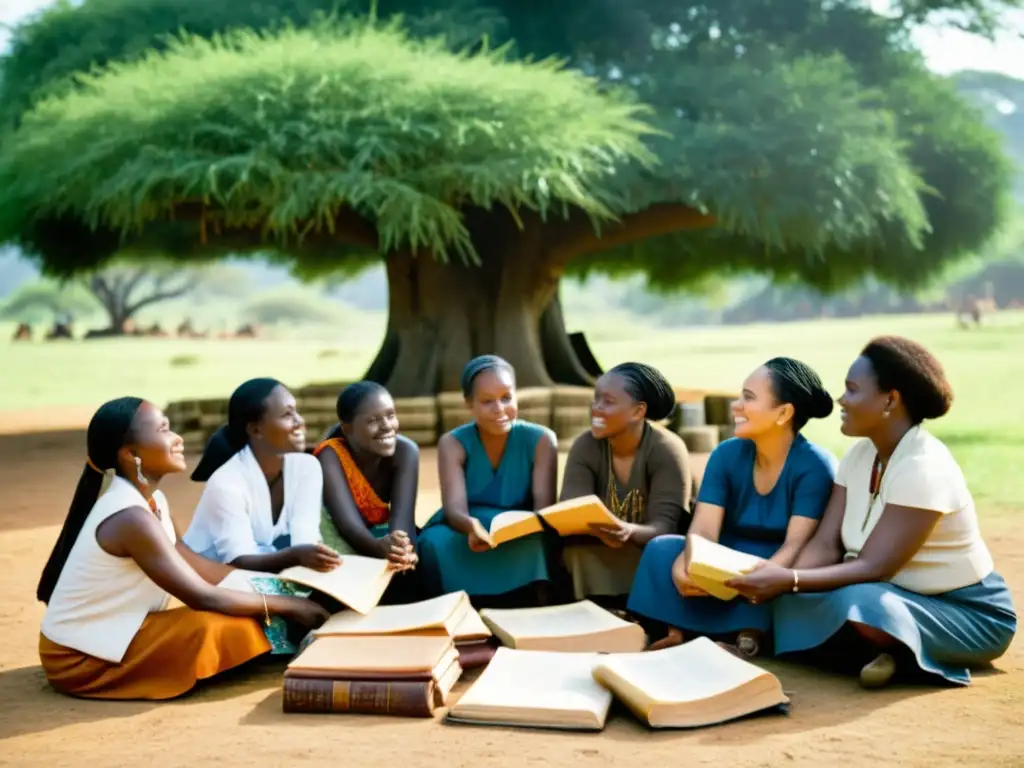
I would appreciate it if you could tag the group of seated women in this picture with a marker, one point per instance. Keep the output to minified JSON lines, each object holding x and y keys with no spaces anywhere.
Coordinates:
{"x":877,"y":563}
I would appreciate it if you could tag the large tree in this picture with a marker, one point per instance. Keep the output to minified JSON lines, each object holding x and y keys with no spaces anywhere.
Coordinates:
{"x":806,"y":131}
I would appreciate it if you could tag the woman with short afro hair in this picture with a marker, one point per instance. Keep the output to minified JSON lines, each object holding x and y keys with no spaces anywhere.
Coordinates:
{"x":897,"y":574}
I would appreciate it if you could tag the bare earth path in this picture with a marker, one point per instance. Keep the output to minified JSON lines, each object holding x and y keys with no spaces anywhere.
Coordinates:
{"x":239,"y":721}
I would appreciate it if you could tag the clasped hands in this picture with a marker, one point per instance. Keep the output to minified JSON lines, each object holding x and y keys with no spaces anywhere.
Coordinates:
{"x":399,"y":551}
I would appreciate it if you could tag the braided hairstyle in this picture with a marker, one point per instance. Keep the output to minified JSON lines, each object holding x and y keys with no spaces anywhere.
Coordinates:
{"x":478,"y":365}
{"x":797,"y":383}
{"x":649,"y":386}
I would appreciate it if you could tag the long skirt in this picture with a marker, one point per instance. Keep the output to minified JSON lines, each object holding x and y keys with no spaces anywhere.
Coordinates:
{"x":947,"y":633}
{"x":655,"y":596}
{"x":449,"y":565}
{"x":599,"y":570}
{"x":170,"y":653}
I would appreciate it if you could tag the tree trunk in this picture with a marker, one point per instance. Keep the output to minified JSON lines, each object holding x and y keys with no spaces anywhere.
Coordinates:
{"x":443,"y":315}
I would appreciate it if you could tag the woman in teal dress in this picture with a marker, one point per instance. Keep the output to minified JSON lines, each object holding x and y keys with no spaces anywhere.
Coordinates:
{"x":493,"y":464}
{"x":763,"y":493}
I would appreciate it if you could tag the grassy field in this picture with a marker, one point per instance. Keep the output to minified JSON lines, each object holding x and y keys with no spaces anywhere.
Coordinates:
{"x":985,"y":430}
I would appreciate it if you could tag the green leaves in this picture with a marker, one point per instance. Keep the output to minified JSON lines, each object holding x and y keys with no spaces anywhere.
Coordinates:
{"x":283,"y":131}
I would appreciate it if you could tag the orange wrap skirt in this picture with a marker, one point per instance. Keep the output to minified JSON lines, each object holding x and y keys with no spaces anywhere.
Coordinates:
{"x":171,"y":652}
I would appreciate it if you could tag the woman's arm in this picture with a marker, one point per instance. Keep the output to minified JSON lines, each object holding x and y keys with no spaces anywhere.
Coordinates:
{"x":211,"y":572}
{"x":136,"y":533}
{"x":404,"y":486}
{"x":811,"y":493}
{"x":668,"y":497}
{"x":580,"y":476}
{"x":451,"y":463}
{"x":544,"y":481}
{"x":343,"y":510}
{"x":900,"y":533}
{"x":826,"y":545}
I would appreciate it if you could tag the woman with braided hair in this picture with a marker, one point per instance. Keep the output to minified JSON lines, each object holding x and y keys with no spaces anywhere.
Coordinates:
{"x":898,"y":576}
{"x":638,"y":468}
{"x":763,"y":493}
{"x":107,"y":632}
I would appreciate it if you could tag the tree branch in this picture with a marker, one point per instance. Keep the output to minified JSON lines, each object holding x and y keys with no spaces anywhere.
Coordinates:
{"x":132,"y":283}
{"x":159,"y":295}
{"x":577,"y":236}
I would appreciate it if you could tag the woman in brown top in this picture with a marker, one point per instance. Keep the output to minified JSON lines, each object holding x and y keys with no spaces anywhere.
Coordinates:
{"x":641,"y":471}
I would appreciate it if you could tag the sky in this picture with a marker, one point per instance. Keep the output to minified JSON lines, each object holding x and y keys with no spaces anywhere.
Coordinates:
{"x":946,"y":50}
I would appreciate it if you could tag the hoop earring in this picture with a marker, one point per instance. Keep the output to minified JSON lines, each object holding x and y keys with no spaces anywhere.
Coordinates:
{"x":138,"y":472}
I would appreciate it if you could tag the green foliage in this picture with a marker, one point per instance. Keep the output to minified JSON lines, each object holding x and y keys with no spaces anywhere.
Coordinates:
{"x":280,"y":131}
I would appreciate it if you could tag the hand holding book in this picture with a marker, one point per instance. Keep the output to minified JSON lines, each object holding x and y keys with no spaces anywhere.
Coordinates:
{"x":612,"y":534}
{"x":764,"y":582}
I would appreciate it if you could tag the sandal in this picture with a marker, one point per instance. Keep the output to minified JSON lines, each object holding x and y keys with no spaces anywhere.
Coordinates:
{"x":878,"y":672}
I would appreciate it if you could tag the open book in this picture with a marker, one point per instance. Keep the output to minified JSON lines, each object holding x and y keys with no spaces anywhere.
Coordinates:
{"x":536,"y":689}
{"x":581,"y":627}
{"x":572,"y":517}
{"x":711,"y":565}
{"x":359,"y":582}
{"x":693,"y":684}
{"x":442,"y":615}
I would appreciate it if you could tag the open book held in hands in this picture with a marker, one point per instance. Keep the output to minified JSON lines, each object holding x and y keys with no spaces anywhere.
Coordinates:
{"x":359,"y":582}
{"x":711,"y":565}
{"x":694,"y":684}
{"x":572,"y":517}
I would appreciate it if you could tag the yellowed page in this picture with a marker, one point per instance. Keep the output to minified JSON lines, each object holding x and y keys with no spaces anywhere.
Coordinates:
{"x":574,"y":517}
{"x":472,"y":627}
{"x":687,"y":674}
{"x":711,"y":565}
{"x":436,"y":613}
{"x":358,"y":582}
{"x":588,"y":626}
{"x":537,"y":688}
{"x":382,"y":654}
{"x":513,"y":525}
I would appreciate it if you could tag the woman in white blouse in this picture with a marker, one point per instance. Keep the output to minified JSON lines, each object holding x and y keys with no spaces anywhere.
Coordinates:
{"x":898,"y":568}
{"x":260,"y":509}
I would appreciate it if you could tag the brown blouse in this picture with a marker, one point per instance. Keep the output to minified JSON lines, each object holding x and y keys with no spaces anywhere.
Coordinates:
{"x":660,"y":488}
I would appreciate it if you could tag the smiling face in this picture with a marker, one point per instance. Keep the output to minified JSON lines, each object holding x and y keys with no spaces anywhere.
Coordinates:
{"x":493,"y":404}
{"x":863,"y":403}
{"x":374,"y":427}
{"x":613,"y":410}
{"x":756,"y":412}
{"x":162,"y":451}
{"x":281,"y":428}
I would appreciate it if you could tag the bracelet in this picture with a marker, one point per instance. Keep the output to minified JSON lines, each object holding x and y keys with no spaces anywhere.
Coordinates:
{"x":796,"y":581}
{"x":266,"y":611}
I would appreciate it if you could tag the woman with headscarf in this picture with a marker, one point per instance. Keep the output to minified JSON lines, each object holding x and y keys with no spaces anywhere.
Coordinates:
{"x":260,"y":509}
{"x":641,"y":471}
{"x":493,"y":464}
{"x":763,"y":493}
{"x":107,"y":633}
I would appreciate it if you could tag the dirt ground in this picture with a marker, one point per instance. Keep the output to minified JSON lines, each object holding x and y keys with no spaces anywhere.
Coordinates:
{"x":238,"y":720}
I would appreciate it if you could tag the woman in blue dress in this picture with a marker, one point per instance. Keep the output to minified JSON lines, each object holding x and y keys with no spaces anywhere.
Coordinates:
{"x":493,"y":464}
{"x":899,"y":575}
{"x":763,"y":493}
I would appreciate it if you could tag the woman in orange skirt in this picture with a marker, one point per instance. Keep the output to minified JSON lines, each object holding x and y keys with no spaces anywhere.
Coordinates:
{"x":107,"y":633}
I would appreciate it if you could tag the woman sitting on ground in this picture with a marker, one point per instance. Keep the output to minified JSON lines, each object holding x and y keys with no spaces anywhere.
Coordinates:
{"x":260,"y":509}
{"x":493,"y":464}
{"x":641,"y":471}
{"x":763,"y":493}
{"x":899,"y":573}
{"x":370,"y":480}
{"x":106,"y":633}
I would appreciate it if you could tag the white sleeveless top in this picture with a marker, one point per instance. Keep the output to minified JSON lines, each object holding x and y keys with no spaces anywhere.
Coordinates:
{"x":100,"y":600}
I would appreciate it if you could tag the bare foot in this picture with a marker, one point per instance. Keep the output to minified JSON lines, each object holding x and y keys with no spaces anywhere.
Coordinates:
{"x":672,"y":639}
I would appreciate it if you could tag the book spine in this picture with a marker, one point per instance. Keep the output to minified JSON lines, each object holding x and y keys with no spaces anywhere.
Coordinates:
{"x":364,"y":697}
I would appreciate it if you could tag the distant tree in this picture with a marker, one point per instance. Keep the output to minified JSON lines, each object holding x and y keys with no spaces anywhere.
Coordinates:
{"x":44,"y":300}
{"x":124,"y":291}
